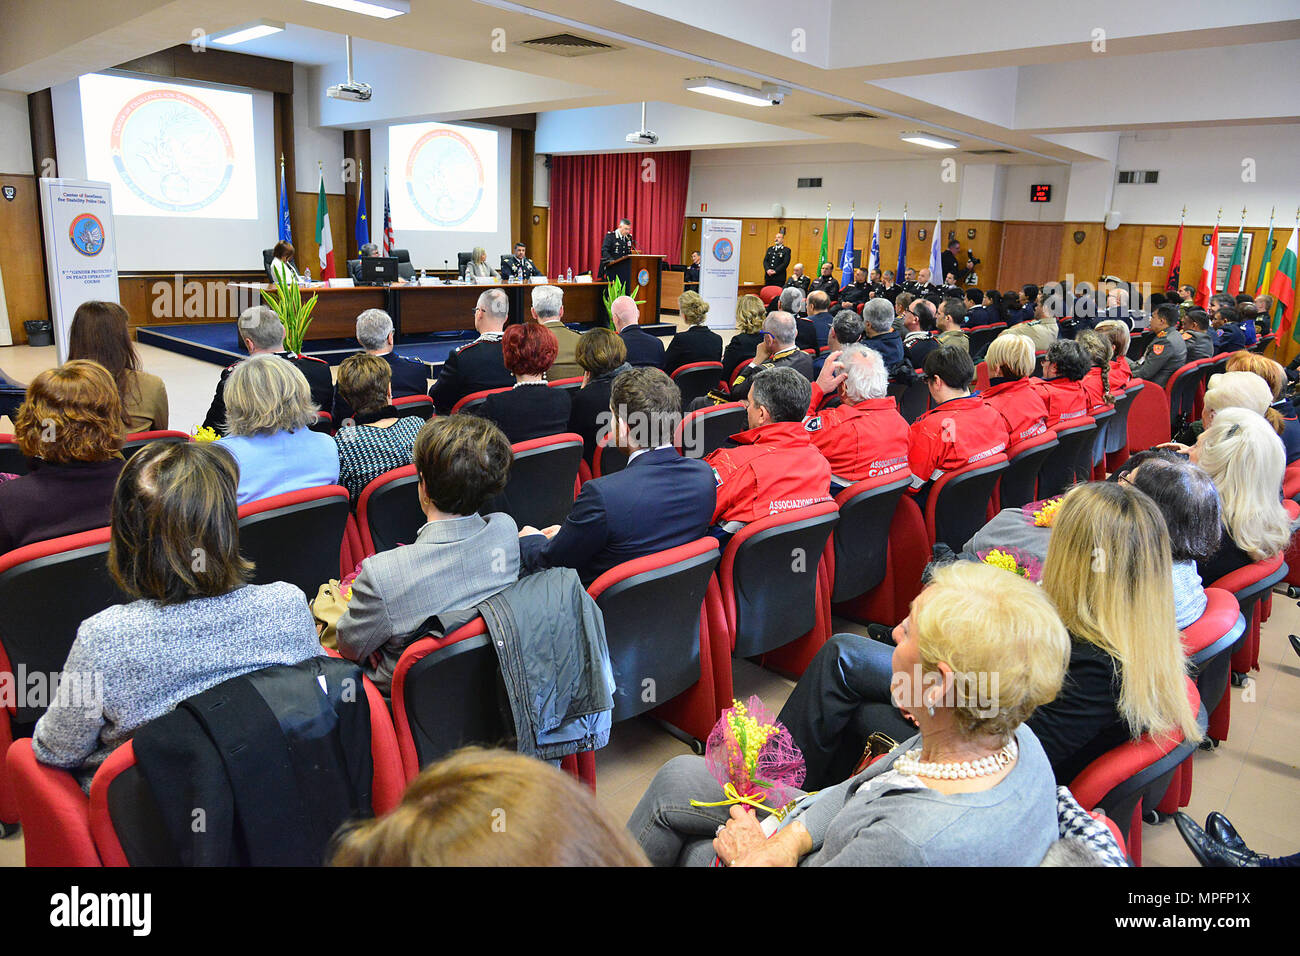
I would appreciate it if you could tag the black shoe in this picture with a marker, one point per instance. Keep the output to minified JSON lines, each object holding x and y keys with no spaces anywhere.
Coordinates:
{"x":1295,"y":642}
{"x":881,"y":633}
{"x":1209,"y":851}
{"x":1219,"y":828}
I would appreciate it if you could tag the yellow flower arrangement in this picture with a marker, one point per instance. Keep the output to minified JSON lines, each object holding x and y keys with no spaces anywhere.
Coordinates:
{"x":1045,"y":515}
{"x":206,"y":434}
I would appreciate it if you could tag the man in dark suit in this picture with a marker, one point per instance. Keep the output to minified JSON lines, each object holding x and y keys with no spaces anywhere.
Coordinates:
{"x":262,"y":332}
{"x":819,"y":315}
{"x":519,"y":265}
{"x":948,"y":261}
{"x":643,"y":349}
{"x":798,"y":280}
{"x":977,"y":313}
{"x":375,"y":335}
{"x":693,"y":270}
{"x":659,"y":501}
{"x":354,"y":265}
{"x":616,"y":244}
{"x":775,"y":261}
{"x":476,"y":366}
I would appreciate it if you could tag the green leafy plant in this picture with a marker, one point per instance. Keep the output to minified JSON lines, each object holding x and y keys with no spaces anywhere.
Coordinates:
{"x":294,"y":313}
{"x":616,"y":289}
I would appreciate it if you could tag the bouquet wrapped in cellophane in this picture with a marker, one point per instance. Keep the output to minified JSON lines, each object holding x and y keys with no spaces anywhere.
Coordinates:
{"x":754,"y":758}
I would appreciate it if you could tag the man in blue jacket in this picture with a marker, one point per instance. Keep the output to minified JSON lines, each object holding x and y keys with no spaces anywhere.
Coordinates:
{"x":878,"y":329}
{"x":659,"y":501}
{"x":643,"y":349}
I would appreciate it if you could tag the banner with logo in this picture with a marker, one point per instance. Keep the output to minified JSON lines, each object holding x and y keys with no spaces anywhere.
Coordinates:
{"x":80,"y":251}
{"x":720,"y":271}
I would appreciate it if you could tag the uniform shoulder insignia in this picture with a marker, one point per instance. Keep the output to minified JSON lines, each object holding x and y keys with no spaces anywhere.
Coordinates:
{"x":717,"y":478}
{"x":1158,"y":349}
{"x":813,"y":424}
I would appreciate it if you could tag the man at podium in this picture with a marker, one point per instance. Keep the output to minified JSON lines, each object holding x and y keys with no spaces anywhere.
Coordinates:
{"x":617,"y":244}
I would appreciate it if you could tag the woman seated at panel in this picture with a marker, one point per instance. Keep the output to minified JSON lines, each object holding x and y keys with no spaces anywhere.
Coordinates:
{"x":1109,"y":573}
{"x":603,"y":357}
{"x":698,"y":342}
{"x":70,"y":429}
{"x":910,"y":808}
{"x":478,"y":266}
{"x":380,"y":438}
{"x":190,"y":626}
{"x":100,"y":334}
{"x":531,"y":409}
{"x":268,"y":411}
{"x":282,"y":268}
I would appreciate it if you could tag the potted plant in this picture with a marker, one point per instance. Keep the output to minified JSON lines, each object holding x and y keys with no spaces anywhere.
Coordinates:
{"x":615,"y":289}
{"x":293,"y":311}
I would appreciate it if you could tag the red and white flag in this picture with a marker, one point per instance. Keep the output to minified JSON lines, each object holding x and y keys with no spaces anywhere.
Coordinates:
{"x":390,"y":241}
{"x":324,"y":238}
{"x":1206,"y":289}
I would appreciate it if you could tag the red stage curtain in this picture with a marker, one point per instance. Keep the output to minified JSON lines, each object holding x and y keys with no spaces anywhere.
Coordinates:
{"x":589,"y":194}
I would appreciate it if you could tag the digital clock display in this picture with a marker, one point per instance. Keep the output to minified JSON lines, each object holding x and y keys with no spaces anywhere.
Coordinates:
{"x":1041,"y":192}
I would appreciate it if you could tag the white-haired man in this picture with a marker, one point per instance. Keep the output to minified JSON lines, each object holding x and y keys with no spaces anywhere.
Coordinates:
{"x":548,"y":310}
{"x":375,"y":335}
{"x":864,"y":436}
{"x":643,"y":349}
{"x":777,"y":349}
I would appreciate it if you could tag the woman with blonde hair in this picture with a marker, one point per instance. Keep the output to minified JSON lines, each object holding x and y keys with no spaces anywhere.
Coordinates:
{"x":750,"y":316}
{"x":1281,"y":414}
{"x":1010,"y":360}
{"x":478,"y":265}
{"x":698,"y":343}
{"x":1238,"y":390}
{"x":1118,"y":334}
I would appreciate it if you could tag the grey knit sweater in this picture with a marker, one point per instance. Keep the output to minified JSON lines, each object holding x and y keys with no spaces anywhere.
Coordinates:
{"x":140,"y":660}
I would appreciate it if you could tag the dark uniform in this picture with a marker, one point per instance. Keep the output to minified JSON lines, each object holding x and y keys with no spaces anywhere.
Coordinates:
{"x":612,"y":247}
{"x":802,"y":283}
{"x":474,"y":367}
{"x":519,"y":267}
{"x":948,"y":262}
{"x":828,"y":284}
{"x":409,"y":377}
{"x":890,"y":292}
{"x":855,"y":293}
{"x":692,"y":273}
{"x":316,"y":371}
{"x":777,"y":258}
{"x":773,"y":469}
{"x":1164,"y":355}
{"x":797,"y":359}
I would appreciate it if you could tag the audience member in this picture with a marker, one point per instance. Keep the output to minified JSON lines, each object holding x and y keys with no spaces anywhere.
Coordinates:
{"x":1228,"y":336}
{"x":531,"y":409}
{"x":1281,"y":414}
{"x":476,"y":366}
{"x":951,"y":318}
{"x":750,"y":317}
{"x":603,"y":357}
{"x":777,"y":350}
{"x":1061,"y":387}
{"x":920,"y":324}
{"x":864,"y":436}
{"x":1011,"y":390}
{"x":878,"y":327}
{"x":100,"y":334}
{"x":643,"y":349}
{"x":977,"y":313}
{"x":378,"y":440}
{"x":698,"y":342}
{"x":846,"y":329}
{"x":1196,"y":333}
{"x":821,"y":317}
{"x":548,"y":310}
{"x":375,"y":336}
{"x":1096,"y":383}
{"x":1117,"y":333}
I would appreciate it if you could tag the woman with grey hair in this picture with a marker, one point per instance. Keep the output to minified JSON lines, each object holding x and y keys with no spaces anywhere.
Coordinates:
{"x":268,"y":411}
{"x":478,"y":265}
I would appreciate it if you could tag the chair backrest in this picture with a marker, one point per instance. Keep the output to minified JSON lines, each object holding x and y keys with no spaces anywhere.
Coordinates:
{"x":47,"y":589}
{"x":768,"y":293}
{"x":543,"y":476}
{"x":957,"y":505}
{"x":324,"y":423}
{"x":1038,"y":364}
{"x":1071,"y":461}
{"x":981,"y":375}
{"x":1102,"y":417}
{"x":295,"y":537}
{"x":981,"y":336}
{"x":913,"y":398}
{"x":462,"y":260}
{"x":1208,"y":643}
{"x":1291,"y":481}
{"x":1117,"y":430}
{"x":1181,"y":389}
{"x":651,"y":607}
{"x":1148,"y":423}
{"x":12,"y":461}
{"x":474,"y":399}
{"x":1137,"y":344}
{"x":267,"y":256}
{"x":404,"y":268}
{"x":1253,"y":582}
{"x":134,"y":442}
{"x":1019,"y":483}
{"x":388,"y":511}
{"x":704,"y":431}
{"x":607,"y":460}
{"x":568,"y":384}
{"x":862,"y":533}
{"x":697,"y":379}
{"x":421,"y":405}
{"x":775,"y":596}
{"x":1264,"y":342}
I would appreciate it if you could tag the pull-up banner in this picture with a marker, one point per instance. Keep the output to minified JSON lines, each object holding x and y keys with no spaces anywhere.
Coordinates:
{"x":80,"y":251}
{"x":720,"y":270}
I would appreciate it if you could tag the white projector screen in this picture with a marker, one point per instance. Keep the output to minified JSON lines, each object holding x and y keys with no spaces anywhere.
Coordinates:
{"x":190,"y":168}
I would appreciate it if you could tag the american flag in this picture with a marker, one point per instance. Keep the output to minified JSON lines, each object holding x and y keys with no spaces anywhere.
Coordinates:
{"x":389,"y":239}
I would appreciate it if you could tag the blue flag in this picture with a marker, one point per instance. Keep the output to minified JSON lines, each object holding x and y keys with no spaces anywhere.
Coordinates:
{"x":285,"y":234}
{"x":901,"y":273}
{"x":936,"y":256}
{"x":846,"y":260}
{"x":363,"y":221}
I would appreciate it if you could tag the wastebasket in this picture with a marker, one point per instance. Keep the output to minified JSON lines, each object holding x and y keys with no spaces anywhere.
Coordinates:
{"x":39,"y":332}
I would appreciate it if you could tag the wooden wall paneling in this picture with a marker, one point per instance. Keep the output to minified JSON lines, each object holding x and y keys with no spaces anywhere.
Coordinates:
{"x":521,"y":187}
{"x":540,"y":232}
{"x":356,"y":147}
{"x":163,"y":299}
{"x":306,"y":252}
{"x":755,"y":236}
{"x":285,"y":146}
{"x":1123,"y":247}
{"x":22,"y":259}
{"x":1082,"y":260}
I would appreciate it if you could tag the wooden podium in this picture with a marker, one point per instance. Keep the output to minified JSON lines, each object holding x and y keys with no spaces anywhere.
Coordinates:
{"x":641,"y":270}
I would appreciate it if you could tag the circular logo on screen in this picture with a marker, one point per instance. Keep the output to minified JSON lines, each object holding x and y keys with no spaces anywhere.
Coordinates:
{"x":723,"y":249}
{"x":87,"y":235}
{"x":444,"y":177}
{"x":172,"y":151}
{"x":643,"y":277}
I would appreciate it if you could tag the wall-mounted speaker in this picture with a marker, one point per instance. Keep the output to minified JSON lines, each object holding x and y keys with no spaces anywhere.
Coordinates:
{"x":1112,"y":220}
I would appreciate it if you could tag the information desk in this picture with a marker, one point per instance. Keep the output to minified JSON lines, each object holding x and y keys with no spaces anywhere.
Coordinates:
{"x":434,"y":308}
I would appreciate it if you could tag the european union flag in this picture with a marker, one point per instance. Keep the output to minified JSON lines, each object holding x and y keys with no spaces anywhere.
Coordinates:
{"x":285,"y":235}
{"x":363,"y":221}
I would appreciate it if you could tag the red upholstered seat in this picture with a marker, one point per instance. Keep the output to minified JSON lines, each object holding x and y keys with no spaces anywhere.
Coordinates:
{"x":300,"y":536}
{"x":474,"y":399}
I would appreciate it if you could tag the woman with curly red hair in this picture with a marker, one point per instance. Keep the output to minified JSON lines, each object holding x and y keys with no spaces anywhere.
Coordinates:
{"x":530,"y":409}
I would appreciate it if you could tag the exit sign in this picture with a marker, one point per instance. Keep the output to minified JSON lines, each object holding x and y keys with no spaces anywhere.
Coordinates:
{"x":1040,"y":192}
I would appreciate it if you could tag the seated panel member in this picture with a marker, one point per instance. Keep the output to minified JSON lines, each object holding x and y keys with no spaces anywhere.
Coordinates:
{"x":548,"y":310}
{"x":698,"y":343}
{"x":1061,"y":386}
{"x":476,"y":366}
{"x":659,"y":501}
{"x":375,"y":336}
{"x":1011,"y":390}
{"x":775,"y":466}
{"x":282,"y":263}
{"x":262,"y":332}
{"x":858,"y":291}
{"x":864,"y":436}
{"x":519,"y":266}
{"x":478,"y":266}
{"x":531,"y":409}
{"x":960,"y":430}
{"x":798,"y":280}
{"x":826,"y":282}
{"x":1166,"y":353}
{"x":777,"y":349}
{"x":367,"y":251}
{"x":643,"y":349}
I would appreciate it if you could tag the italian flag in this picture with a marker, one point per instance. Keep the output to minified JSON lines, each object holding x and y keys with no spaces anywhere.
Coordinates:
{"x":1206,"y":288}
{"x":1232,"y":285}
{"x":1283,"y":288}
{"x":324,"y":238}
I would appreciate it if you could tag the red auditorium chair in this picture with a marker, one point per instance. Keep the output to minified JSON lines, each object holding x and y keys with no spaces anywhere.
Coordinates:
{"x":775,"y":590}
{"x":697,"y":379}
{"x":1291,"y":482}
{"x":1250,"y":585}
{"x":446,"y":696}
{"x":607,"y":460}
{"x":388,"y":511}
{"x":543,"y":481}
{"x":981,"y":376}
{"x":421,"y":405}
{"x":12,"y":461}
{"x":1138,"y":341}
{"x":905,"y":562}
{"x":768,"y":293}
{"x":860,"y":552}
{"x":297,"y":537}
{"x":1116,"y":446}
{"x":1103,"y":416}
{"x":475,"y":399}
{"x":46,"y":589}
{"x":982,"y":335}
{"x":64,"y":827}
{"x":1038,"y":363}
{"x":959,"y":501}
{"x":1019,"y":483}
{"x":1148,"y":422}
{"x":568,"y":384}
{"x":1071,"y":462}
{"x":704,"y":431}
{"x":1133,"y":777}
{"x":1181,"y":390}
{"x":657,"y":628}
{"x":1264,"y":342}
{"x":324,"y":423}
{"x":134,"y":442}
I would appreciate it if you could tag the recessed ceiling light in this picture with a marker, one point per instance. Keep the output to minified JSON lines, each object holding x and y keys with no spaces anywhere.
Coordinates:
{"x":929,"y":139}
{"x":769,"y":95}
{"x":383,"y":9}
{"x":249,"y":31}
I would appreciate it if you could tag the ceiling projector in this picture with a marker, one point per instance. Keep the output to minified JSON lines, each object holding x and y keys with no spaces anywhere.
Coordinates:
{"x":643,"y":138}
{"x":356,"y":92}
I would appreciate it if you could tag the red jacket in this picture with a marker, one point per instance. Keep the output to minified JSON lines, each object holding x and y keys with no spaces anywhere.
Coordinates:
{"x":1120,"y":374}
{"x":1066,"y":400}
{"x":960,"y":432}
{"x":775,"y":469}
{"x":1020,"y":404}
{"x":860,"y":441}
{"x":1092,"y":386}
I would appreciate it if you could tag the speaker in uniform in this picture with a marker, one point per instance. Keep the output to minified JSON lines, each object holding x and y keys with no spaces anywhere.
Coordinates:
{"x":775,"y":261}
{"x":616,"y":244}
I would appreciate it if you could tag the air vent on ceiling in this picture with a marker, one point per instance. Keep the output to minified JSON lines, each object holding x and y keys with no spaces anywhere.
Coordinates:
{"x":809,"y":182}
{"x":990,"y":152}
{"x":566,"y":44}
{"x":851,"y":115}
{"x":1139,"y":177}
